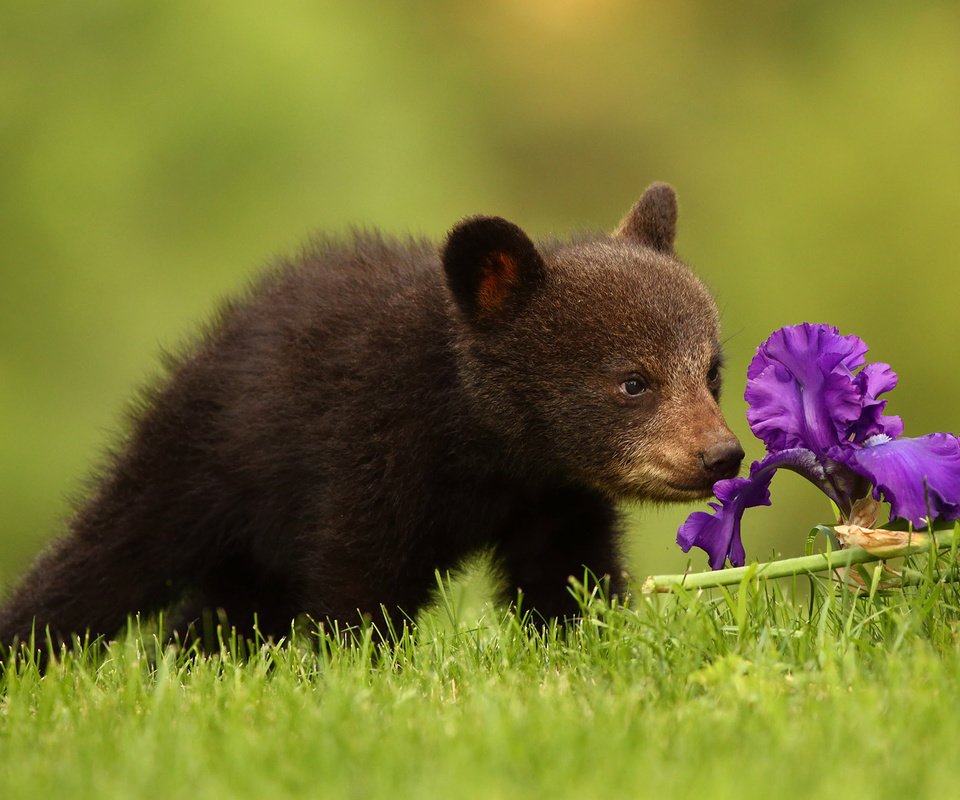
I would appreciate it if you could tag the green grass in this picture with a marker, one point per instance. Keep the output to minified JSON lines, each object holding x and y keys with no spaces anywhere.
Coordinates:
{"x":764,"y":690}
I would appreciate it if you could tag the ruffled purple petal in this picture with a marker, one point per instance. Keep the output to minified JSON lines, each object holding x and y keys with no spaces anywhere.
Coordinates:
{"x":801,"y":388}
{"x":876,"y":378}
{"x":808,"y":340}
{"x":718,"y":533}
{"x":910,"y":474}
{"x":872,"y":381}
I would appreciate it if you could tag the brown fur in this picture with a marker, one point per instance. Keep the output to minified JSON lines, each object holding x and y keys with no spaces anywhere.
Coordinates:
{"x":377,"y":410}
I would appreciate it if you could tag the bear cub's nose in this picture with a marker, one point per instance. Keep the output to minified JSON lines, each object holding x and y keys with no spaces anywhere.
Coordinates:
{"x":722,"y":459}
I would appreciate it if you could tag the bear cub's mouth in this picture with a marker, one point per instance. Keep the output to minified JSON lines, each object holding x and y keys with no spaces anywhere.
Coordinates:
{"x":693,"y":490}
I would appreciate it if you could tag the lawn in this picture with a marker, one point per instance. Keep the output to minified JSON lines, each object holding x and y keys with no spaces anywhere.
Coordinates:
{"x":790,"y":689}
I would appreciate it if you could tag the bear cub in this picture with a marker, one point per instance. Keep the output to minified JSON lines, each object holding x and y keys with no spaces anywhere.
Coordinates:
{"x":377,"y":410}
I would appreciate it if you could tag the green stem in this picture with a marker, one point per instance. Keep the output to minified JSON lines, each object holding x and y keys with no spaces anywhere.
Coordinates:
{"x":784,"y":568}
{"x":912,"y":577}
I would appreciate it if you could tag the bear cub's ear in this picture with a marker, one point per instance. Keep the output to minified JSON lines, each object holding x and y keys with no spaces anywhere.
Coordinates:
{"x":652,"y":221}
{"x":491,"y":266}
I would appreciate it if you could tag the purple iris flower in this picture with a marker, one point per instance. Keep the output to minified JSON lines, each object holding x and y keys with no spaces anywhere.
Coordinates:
{"x":821,"y":418}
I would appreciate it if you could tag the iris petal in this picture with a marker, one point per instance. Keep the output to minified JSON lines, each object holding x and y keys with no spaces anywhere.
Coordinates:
{"x":718,"y":533}
{"x":873,"y":380}
{"x":801,"y":388}
{"x":911,"y":473}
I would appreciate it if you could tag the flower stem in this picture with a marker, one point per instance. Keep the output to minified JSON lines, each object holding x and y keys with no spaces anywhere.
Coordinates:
{"x":784,"y":568}
{"x":912,"y":577}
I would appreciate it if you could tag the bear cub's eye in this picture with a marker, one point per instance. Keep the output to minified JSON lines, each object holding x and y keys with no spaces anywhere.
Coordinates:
{"x":713,"y":378}
{"x":632,"y":387}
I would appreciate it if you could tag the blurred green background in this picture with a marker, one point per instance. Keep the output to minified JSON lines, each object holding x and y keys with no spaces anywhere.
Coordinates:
{"x":153,"y":155}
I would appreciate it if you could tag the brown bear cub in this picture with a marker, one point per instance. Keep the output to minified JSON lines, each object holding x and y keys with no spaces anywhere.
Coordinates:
{"x":378,"y":410}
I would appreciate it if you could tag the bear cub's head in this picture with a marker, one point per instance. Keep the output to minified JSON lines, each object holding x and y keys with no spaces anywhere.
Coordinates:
{"x":597,"y":361}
